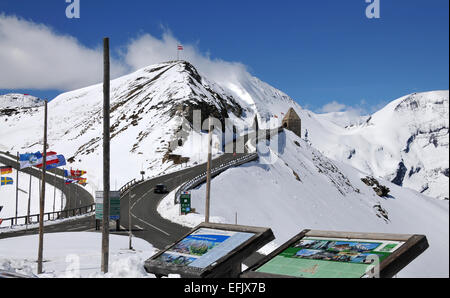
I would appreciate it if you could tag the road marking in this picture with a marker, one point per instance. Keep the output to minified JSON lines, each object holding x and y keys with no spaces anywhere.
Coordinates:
{"x":149,"y":224}
{"x":139,"y":227}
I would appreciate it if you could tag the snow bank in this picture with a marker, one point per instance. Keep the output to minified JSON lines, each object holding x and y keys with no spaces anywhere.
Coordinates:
{"x":75,"y":255}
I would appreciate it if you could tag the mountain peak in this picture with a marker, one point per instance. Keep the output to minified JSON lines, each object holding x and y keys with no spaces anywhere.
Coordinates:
{"x":17,"y":100}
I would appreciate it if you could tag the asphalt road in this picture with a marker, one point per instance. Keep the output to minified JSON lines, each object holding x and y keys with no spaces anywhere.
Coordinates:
{"x":147,"y":223}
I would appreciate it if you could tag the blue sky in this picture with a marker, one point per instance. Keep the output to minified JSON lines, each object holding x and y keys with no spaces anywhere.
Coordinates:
{"x":318,"y":52}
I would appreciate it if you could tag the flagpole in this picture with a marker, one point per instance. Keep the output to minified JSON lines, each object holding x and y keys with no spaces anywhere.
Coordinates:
{"x":63,"y":187}
{"x":29,"y":203}
{"x":54,"y":196}
{"x":42,"y":199}
{"x":17,"y":187}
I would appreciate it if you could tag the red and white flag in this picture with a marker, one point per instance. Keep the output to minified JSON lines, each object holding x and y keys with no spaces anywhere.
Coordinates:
{"x":52,"y":158}
{"x":180,"y":48}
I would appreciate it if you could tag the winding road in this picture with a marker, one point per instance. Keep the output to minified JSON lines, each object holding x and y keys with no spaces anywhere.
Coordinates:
{"x":146,"y":222}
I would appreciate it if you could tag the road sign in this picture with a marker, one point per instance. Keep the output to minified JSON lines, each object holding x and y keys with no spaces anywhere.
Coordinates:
{"x":114,"y":197}
{"x":185,"y":203}
{"x":327,"y":254}
{"x":210,"y":251}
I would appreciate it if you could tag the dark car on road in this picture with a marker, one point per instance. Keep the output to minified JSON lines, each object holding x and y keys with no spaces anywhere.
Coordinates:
{"x":161,"y":188}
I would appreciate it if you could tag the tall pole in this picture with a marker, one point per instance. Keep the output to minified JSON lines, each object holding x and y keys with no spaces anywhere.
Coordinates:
{"x":106,"y":147}
{"x":54,"y":196}
{"x":17,"y":187}
{"x":42,"y":199}
{"x":130,"y":246}
{"x":208,"y":173}
{"x":63,"y":187}
{"x":29,"y":203}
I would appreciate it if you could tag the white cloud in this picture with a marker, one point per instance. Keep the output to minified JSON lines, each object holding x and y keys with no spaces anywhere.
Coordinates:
{"x":33,"y":56}
{"x":333,"y":106}
{"x":147,"y":50}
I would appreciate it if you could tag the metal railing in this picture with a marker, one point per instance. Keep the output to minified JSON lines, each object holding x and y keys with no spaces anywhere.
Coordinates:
{"x":128,"y":185}
{"x":50,"y":216}
{"x":214,"y":172}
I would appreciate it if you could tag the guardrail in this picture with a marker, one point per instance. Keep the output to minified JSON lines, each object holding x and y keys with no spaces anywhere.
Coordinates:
{"x":214,"y":172}
{"x":129,"y":185}
{"x":51,"y":216}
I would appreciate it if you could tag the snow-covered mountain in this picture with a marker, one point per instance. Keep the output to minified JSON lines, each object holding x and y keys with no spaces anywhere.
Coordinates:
{"x":406,"y":142}
{"x":147,"y":112}
{"x":17,"y":104}
{"x":16,"y":100}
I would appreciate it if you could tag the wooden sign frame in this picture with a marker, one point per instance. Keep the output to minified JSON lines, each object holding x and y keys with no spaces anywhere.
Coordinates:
{"x":228,"y":266}
{"x":412,"y":247}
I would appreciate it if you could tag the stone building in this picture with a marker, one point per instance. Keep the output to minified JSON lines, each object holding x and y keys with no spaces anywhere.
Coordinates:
{"x":293,"y":122}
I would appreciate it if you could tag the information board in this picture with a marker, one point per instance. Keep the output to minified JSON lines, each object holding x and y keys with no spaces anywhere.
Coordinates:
{"x":314,"y":254}
{"x":114,"y":207}
{"x":205,"y":250}
{"x":203,"y":247}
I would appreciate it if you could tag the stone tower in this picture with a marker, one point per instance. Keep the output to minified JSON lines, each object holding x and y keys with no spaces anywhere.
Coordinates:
{"x":293,"y":122}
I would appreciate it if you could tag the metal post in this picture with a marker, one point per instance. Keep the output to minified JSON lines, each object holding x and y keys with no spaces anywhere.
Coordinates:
{"x":62,"y":194}
{"x":129,"y":220}
{"x":29,"y":203}
{"x":17,"y":187}
{"x":208,"y":173}
{"x":54,"y":196}
{"x":106,"y":152}
{"x":42,"y":199}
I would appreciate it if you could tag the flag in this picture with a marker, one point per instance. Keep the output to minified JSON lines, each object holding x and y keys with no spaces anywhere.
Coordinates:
{"x":61,"y":161}
{"x":5,"y":170}
{"x":29,"y":160}
{"x":52,"y":159}
{"x":82,"y":181}
{"x":6,"y":181}
{"x":180,"y":48}
{"x":70,"y":181}
{"x":77,"y":173}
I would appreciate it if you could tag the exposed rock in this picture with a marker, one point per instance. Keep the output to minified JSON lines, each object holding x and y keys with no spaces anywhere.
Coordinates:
{"x":380,"y":190}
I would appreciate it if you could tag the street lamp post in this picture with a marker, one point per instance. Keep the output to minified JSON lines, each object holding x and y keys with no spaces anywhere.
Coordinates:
{"x":129,"y":219}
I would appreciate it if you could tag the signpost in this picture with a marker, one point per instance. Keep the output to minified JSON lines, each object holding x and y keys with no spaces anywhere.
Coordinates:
{"x":326,"y":254}
{"x":185,"y":203}
{"x":210,"y":251}
{"x":114,"y":199}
